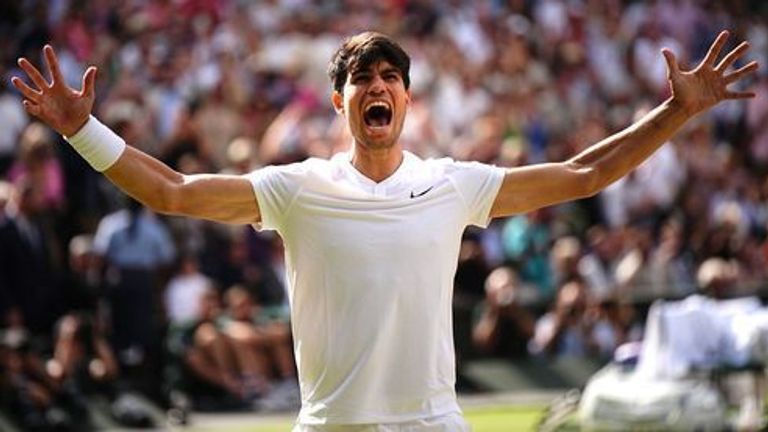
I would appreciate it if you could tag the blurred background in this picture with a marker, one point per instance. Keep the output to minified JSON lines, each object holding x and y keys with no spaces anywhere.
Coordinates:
{"x":113,"y":316}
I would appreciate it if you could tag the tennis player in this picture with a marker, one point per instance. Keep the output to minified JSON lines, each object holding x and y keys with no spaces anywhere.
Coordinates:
{"x":372,"y":235}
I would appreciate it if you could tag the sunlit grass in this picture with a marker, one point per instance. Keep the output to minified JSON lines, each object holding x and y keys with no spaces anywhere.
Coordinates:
{"x":504,"y":419}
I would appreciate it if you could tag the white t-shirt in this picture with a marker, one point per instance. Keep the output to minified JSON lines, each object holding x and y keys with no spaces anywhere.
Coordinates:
{"x":183,"y":297}
{"x":370,"y":270}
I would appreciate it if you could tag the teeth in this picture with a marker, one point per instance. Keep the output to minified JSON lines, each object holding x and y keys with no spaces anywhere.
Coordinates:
{"x":377,"y":103}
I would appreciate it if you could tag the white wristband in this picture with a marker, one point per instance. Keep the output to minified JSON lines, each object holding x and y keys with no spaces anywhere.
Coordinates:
{"x":97,"y":144}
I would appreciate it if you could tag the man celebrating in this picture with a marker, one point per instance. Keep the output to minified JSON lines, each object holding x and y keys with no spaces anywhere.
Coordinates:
{"x":372,"y":235}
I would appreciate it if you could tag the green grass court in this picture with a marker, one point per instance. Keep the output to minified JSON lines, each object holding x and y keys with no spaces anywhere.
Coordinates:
{"x":506,"y":419}
{"x":482,"y":419}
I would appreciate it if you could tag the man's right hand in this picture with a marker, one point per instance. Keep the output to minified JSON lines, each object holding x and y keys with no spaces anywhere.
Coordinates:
{"x":61,"y":107}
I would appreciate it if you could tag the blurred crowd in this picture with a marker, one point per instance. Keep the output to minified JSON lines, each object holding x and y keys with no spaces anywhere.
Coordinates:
{"x":100,"y":296}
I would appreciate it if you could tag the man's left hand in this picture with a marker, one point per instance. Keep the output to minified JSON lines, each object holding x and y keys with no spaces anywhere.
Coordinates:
{"x":707,"y":85}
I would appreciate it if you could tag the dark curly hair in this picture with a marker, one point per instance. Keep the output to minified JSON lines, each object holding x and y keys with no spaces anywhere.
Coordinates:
{"x":363,"y":50}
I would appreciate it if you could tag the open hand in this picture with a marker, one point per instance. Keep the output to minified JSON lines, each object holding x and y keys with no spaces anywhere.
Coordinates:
{"x":707,"y":85}
{"x":61,"y":107}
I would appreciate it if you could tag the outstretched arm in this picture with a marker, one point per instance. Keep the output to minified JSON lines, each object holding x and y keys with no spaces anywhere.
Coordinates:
{"x":221,"y":198}
{"x":528,"y":188}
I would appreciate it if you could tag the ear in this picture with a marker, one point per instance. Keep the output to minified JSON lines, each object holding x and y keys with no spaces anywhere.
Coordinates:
{"x":337,"y":100}
{"x":408,"y":98}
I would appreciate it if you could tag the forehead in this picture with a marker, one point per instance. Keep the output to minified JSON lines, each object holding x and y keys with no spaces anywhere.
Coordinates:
{"x":379,"y":66}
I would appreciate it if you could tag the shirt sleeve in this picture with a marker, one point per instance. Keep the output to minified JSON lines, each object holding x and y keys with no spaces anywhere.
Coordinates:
{"x":276,"y":187}
{"x":478,"y":184}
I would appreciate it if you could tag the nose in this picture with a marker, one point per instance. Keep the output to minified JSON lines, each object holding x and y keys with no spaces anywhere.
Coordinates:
{"x":377,"y":85}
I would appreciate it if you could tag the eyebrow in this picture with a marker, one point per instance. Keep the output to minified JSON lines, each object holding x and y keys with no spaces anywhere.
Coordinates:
{"x":369,"y":70}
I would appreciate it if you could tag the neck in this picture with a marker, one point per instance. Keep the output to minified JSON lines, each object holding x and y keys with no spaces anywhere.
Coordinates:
{"x":377,"y":164}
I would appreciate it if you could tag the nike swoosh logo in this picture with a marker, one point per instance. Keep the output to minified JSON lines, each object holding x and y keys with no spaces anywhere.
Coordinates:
{"x":413,"y":195}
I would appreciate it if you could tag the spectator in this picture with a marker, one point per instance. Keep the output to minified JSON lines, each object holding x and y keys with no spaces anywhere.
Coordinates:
{"x":597,"y":266}
{"x":757,"y":120}
{"x":633,"y":270}
{"x":262,"y":336}
{"x":6,"y":300}
{"x":506,"y":324}
{"x":717,"y":277}
{"x":36,"y":402}
{"x":211,"y":374}
{"x":83,"y":361}
{"x":184,"y":293}
{"x":135,"y":248}
{"x":37,"y":165}
{"x":471,"y":272}
{"x":564,"y":259}
{"x":567,"y":330}
{"x":254,"y":261}
{"x":240,"y":156}
{"x":672,"y":265}
{"x":187,"y":139}
{"x":14,"y":121}
{"x":83,"y":284}
{"x":646,"y":194}
{"x":615,"y":324}
{"x":526,"y":240}
{"x":28,"y":264}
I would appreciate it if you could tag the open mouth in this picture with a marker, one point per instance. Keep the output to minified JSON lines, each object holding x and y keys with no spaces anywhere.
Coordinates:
{"x":377,"y":114}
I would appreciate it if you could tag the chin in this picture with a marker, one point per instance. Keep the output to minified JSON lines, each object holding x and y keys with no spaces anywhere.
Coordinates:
{"x":378,"y":143}
{"x":379,"y":140}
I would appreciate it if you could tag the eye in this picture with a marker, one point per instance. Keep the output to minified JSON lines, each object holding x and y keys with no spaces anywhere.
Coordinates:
{"x":360,"y":78}
{"x":391,"y":75}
